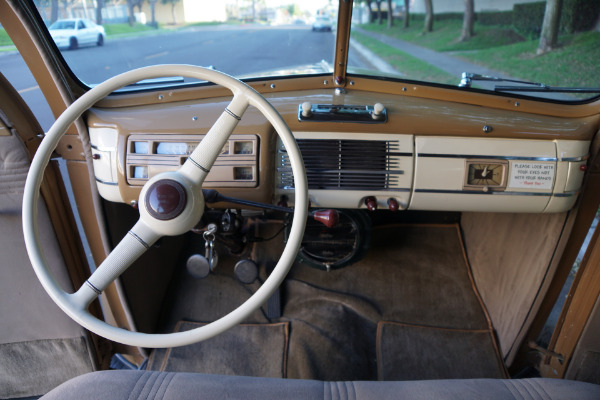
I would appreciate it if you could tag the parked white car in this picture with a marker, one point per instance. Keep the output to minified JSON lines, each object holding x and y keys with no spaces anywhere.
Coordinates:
{"x":72,"y":33}
{"x":322,"y":23}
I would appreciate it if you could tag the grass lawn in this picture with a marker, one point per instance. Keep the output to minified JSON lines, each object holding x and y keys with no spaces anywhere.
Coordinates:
{"x":446,"y":33}
{"x":141,"y":29}
{"x":409,"y":66}
{"x":4,"y":39}
{"x":574,"y":63}
{"x":125,"y":29}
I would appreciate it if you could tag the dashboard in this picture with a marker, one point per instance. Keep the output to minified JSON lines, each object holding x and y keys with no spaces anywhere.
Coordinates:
{"x":361,"y":150}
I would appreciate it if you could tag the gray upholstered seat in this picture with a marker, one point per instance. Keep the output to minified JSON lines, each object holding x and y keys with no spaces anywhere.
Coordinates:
{"x":183,"y":386}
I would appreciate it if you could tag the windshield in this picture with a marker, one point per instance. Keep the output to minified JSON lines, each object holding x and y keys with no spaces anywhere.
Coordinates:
{"x":407,"y":40}
{"x":493,"y":42}
{"x":242,"y":38}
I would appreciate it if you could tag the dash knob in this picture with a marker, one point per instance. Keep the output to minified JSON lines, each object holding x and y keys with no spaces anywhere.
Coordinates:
{"x":306,"y":109}
{"x":371,"y":203}
{"x":378,"y":110}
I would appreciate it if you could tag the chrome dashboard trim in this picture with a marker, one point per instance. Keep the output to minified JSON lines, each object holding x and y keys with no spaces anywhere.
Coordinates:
{"x":491,"y":192}
{"x":400,"y":190}
{"x":474,"y":156}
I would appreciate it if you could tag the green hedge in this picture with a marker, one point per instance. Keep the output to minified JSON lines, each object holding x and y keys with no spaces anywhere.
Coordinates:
{"x":579,"y":15}
{"x":528,"y":18}
{"x":437,"y":17}
{"x":448,"y":16}
{"x":576,"y":16}
{"x":504,"y":18}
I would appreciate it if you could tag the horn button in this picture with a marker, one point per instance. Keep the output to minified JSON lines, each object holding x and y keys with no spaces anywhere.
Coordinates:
{"x":165,"y":199}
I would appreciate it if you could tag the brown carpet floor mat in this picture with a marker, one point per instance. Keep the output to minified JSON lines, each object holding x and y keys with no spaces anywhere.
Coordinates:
{"x":410,"y":352}
{"x":247,"y":349}
{"x":413,"y":275}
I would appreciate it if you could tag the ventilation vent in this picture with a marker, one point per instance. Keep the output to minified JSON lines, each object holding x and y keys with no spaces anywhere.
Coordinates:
{"x":345,"y":164}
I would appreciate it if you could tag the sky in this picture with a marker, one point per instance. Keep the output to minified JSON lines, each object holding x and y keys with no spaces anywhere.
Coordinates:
{"x":304,"y":4}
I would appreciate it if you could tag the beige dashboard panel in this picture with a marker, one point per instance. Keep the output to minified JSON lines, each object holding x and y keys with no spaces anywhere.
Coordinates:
{"x":534,"y":175}
{"x":437,"y":154}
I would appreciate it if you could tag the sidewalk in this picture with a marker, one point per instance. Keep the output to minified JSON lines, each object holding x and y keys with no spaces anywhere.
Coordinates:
{"x":452,"y":65}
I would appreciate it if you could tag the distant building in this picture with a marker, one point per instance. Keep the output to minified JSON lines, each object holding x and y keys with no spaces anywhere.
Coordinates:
{"x":187,"y":11}
{"x":447,"y":6}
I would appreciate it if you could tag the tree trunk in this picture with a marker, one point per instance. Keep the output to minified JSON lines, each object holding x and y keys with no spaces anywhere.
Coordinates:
{"x":173,"y":13}
{"x":406,"y":13}
{"x":428,"y":26}
{"x":549,"y":36}
{"x":390,"y":14}
{"x":153,"y":12}
{"x":379,"y":18}
{"x":468,"y":21}
{"x":99,"y":6}
{"x":370,"y":11}
{"x":131,"y":16}
{"x":54,"y":11}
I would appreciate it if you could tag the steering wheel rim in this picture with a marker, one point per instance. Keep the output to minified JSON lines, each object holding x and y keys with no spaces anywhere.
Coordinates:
{"x":75,"y":304}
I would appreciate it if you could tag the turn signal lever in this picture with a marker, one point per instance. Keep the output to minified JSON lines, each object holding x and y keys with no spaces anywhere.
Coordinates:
{"x":329,"y":218}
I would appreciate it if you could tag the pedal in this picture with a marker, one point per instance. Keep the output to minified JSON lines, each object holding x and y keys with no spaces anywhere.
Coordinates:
{"x":246,"y":271}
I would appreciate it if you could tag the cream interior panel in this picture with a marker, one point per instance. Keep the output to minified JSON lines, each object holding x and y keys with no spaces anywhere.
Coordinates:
{"x":109,"y":192}
{"x":440,"y":173}
{"x":574,"y":176}
{"x":534,"y":178}
{"x":104,"y":150}
{"x":561,"y":203}
{"x":561,"y":177}
{"x":102,"y":161}
{"x":478,"y":202}
{"x":474,"y":147}
{"x":572,"y":149}
{"x":352,"y":199}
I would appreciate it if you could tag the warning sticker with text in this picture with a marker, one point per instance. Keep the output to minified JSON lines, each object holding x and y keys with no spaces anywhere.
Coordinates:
{"x":531,"y":175}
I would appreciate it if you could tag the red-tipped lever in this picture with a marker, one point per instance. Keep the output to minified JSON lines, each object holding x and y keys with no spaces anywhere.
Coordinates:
{"x":329,"y":218}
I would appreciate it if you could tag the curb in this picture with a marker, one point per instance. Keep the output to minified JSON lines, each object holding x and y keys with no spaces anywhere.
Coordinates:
{"x":371,"y":58}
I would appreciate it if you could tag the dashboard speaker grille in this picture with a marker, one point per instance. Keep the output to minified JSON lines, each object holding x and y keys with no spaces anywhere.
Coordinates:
{"x":345,"y":164}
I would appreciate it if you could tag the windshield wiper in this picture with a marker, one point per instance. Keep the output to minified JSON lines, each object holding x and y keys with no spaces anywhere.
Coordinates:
{"x":468,"y":77}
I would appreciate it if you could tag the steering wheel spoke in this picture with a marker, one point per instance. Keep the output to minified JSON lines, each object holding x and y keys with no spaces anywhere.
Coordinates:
{"x":198,"y":164}
{"x":135,"y":243}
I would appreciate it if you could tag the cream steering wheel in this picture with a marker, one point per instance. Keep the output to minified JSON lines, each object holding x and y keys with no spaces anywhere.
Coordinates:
{"x":170,"y":204}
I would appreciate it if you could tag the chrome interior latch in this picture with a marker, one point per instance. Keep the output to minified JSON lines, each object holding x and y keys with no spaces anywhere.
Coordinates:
{"x":200,"y":266}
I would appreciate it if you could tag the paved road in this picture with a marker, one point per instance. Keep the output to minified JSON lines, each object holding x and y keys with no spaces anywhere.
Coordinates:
{"x":233,"y":50}
{"x":256,"y":49}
